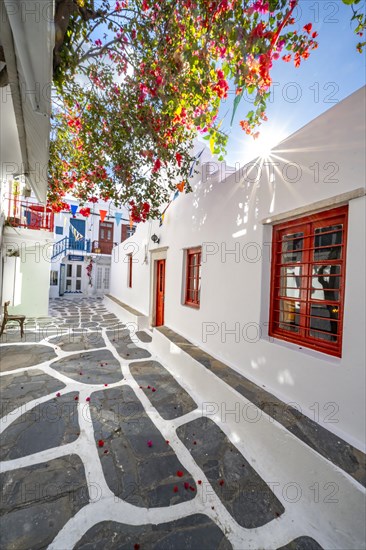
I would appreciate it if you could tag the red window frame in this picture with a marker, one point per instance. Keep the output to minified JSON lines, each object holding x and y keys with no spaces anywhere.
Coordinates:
{"x":193,"y":277}
{"x":301,"y":318}
{"x":129,"y":275}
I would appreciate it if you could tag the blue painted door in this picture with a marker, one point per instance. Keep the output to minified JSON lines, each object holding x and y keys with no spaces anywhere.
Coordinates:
{"x":77,"y":234}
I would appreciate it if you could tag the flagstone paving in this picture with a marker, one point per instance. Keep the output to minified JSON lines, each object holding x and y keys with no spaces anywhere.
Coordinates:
{"x":102,"y":448}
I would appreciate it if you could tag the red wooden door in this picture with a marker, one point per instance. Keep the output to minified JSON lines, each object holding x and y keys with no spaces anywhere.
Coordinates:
{"x":160,"y":292}
{"x":106,"y":237}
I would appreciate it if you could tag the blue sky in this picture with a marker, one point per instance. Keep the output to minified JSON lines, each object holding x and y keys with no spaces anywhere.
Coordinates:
{"x":331,"y":73}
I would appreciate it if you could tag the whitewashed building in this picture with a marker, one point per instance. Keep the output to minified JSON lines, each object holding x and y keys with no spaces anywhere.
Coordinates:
{"x":264,"y":268}
{"x":27,"y":41}
{"x":85,"y":247}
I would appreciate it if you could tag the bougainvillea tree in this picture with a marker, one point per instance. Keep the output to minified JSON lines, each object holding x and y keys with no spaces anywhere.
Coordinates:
{"x":136,"y":81}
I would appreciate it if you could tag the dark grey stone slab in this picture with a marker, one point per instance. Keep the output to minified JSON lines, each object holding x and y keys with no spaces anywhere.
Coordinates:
{"x":169,"y":398}
{"x":143,"y":336}
{"x":46,"y":425}
{"x":39,"y":500}
{"x":136,"y":472}
{"x":302,"y":543}
{"x":97,"y":367}
{"x":19,"y":388}
{"x":196,"y":532}
{"x":18,"y":357}
{"x":125,"y":347}
{"x":345,"y":456}
{"x":242,"y":491}
{"x":79,"y":340}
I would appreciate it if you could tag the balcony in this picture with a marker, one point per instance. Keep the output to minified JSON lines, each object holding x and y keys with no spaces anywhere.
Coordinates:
{"x":23,"y":212}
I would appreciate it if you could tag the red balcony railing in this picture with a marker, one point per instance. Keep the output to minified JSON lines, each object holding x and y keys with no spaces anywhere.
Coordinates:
{"x":23,"y":212}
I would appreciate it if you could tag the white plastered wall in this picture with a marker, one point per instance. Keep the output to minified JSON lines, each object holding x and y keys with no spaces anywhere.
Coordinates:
{"x":322,"y":161}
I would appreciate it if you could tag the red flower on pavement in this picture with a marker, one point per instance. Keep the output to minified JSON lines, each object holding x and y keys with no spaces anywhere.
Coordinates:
{"x":76,"y":398}
{"x":100,"y":443}
{"x":199,"y":482}
{"x":58,"y":394}
{"x":180,"y":473}
{"x":175,"y":489}
{"x":149,"y":443}
{"x":221,"y":482}
{"x":88,"y":399}
{"x":186,"y":485}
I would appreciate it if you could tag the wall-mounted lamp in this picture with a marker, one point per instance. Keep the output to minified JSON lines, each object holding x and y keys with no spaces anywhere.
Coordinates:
{"x":155,"y":239}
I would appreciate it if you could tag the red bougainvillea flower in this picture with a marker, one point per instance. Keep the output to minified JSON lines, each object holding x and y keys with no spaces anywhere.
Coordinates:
{"x":199,"y":482}
{"x":192,"y":488}
{"x":106,"y":384}
{"x":180,"y":473}
{"x":186,"y":485}
{"x":88,"y":399}
{"x":148,"y":387}
{"x":58,"y":394}
{"x":149,"y":443}
{"x":178,"y":158}
{"x":308,"y":28}
{"x":175,"y":489}
{"x":153,"y":389}
{"x":157,"y":166}
{"x":100,"y":443}
{"x":221,"y":482}
{"x":76,"y":398}
{"x":167,"y":441}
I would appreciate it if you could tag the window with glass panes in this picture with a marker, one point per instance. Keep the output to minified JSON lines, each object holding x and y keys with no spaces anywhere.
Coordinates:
{"x":193,"y":277}
{"x":308,"y":278}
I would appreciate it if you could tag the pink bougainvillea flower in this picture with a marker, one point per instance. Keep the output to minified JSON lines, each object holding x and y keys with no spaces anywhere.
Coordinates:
{"x":58,"y":394}
{"x":186,"y":485}
{"x":175,"y":489}
{"x":87,"y":399}
{"x":100,"y":443}
{"x":180,"y":473}
{"x":149,"y":443}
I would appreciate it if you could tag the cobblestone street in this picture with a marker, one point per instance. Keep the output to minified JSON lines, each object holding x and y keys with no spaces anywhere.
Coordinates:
{"x":104,"y":446}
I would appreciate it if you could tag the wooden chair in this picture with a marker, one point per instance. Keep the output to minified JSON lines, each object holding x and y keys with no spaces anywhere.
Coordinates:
{"x":7,"y":318}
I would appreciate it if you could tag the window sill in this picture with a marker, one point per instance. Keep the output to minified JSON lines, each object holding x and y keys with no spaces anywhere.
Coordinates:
{"x":312,"y":352}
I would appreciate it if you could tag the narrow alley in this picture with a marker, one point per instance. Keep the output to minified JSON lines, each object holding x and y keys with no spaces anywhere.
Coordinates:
{"x":106,"y":445}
